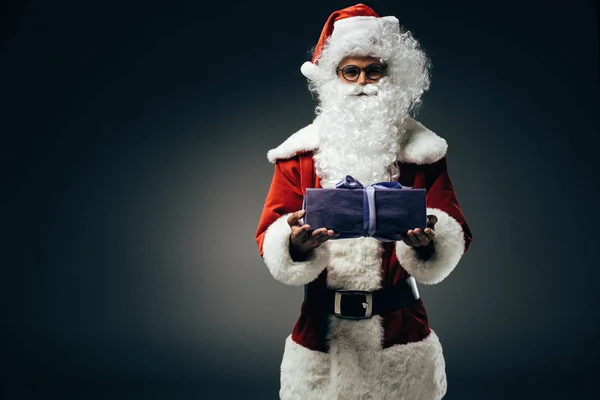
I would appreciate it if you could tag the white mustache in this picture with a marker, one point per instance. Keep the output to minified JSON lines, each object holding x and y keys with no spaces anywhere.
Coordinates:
{"x":356,"y":90}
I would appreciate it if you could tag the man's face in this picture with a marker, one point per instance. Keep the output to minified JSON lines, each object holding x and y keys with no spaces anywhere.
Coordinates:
{"x":360,"y":70}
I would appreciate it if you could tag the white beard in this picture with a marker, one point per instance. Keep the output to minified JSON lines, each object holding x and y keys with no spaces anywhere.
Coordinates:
{"x":359,"y":135}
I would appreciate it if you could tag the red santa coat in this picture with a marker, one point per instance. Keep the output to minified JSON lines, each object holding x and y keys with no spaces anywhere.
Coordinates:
{"x":396,"y":355}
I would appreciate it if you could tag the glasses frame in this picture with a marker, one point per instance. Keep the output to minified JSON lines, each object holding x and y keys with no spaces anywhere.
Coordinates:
{"x":361,"y":70}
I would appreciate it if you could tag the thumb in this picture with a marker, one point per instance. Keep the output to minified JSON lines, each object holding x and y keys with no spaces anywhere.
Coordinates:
{"x":431,"y":221}
{"x":295,"y":217}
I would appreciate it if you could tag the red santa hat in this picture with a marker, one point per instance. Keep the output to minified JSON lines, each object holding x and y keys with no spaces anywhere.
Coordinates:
{"x":351,"y":25}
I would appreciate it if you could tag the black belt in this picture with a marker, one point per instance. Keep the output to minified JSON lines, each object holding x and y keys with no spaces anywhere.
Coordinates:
{"x":358,"y":304}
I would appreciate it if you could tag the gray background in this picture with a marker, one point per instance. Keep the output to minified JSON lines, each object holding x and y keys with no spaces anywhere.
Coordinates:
{"x":134,"y":170}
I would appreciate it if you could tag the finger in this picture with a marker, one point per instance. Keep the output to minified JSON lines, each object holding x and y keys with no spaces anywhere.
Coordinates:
{"x":406,"y":240}
{"x":300,"y":230}
{"x":324,"y":232}
{"x":314,"y":241}
{"x":328,"y":234}
{"x":403,"y":237}
{"x":319,"y":232}
{"x":430,"y":233}
{"x":409,"y":241}
{"x":295,"y":217}
{"x":421,"y":237}
{"x":414,"y":240}
{"x":300,"y":234}
{"x":323,"y":239}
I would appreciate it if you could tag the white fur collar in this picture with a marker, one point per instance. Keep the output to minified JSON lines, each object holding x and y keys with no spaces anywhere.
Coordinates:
{"x":420,"y":146}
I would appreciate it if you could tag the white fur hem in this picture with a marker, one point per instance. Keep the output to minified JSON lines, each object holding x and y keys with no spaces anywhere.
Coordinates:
{"x":304,"y":373}
{"x":449,"y":244}
{"x":277,"y":257}
{"x":419,"y":371}
{"x":413,"y":371}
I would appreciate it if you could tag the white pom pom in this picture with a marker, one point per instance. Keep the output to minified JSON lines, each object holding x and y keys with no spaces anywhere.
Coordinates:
{"x":309,"y":70}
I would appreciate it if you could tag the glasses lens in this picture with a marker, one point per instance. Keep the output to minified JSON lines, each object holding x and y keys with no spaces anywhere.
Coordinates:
{"x":374,"y":71}
{"x":351,"y":72}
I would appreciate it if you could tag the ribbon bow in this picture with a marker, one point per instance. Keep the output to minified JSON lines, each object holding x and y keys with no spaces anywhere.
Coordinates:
{"x":369,"y":210}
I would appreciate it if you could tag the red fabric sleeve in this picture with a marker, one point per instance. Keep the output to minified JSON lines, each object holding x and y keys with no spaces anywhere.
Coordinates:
{"x":284,"y":196}
{"x":441,"y":194}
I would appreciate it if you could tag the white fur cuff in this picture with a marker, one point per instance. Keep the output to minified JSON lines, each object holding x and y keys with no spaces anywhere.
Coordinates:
{"x":449,"y":245}
{"x":276,"y":255}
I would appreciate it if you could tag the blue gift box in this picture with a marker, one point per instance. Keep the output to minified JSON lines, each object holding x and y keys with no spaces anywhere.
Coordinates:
{"x":380,"y":210}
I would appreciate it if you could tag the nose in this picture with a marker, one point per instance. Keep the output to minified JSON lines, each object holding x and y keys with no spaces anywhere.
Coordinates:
{"x":362,"y":79}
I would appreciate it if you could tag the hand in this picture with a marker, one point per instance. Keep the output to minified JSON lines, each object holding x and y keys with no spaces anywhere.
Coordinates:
{"x":302,"y":238}
{"x":420,"y":238}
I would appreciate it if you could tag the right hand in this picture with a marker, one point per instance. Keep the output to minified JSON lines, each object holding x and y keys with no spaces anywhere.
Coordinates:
{"x":302,"y":238}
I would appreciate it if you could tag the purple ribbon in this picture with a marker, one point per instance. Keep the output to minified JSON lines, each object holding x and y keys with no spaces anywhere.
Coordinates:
{"x":369,"y":211}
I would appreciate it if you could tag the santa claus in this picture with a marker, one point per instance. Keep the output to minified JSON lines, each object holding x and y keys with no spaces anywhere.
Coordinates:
{"x":363,"y":332}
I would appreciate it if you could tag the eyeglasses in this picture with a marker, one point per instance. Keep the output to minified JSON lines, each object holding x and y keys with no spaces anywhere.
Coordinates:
{"x":351,"y":73}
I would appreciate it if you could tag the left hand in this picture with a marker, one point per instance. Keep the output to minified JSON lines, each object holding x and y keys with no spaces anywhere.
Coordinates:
{"x":420,"y":238}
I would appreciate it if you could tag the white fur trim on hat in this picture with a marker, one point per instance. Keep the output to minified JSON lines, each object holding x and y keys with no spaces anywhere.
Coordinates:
{"x":449,"y":245}
{"x":359,"y":27}
{"x":276,"y":254}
